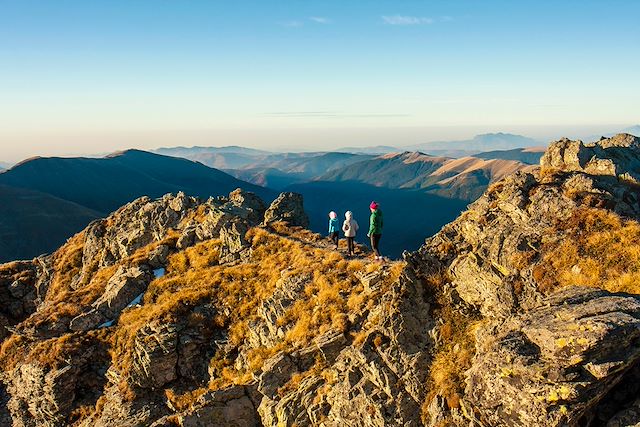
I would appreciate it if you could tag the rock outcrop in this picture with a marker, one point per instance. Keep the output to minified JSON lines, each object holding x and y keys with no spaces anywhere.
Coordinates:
{"x":548,"y":366}
{"x":613,"y":156}
{"x":223,"y":312}
{"x":542,"y":357}
{"x":288,"y":208}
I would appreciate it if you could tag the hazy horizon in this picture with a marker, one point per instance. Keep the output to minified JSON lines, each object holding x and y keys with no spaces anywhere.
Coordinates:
{"x":282,"y":140}
{"x":83,"y":78}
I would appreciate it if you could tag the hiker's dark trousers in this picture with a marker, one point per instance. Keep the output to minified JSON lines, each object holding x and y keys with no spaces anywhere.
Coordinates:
{"x":350,"y":245}
{"x":375,"y":243}
{"x":334,"y":238}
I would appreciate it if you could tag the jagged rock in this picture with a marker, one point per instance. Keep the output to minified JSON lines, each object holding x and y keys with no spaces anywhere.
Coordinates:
{"x":39,"y":396}
{"x":120,"y":412}
{"x":617,"y":156}
{"x":5,"y":415}
{"x":231,"y":407}
{"x":330,"y":344}
{"x":288,"y":207}
{"x":482,"y":249}
{"x":234,"y":246}
{"x":629,"y":417}
{"x":376,"y":383}
{"x":45,"y":395}
{"x":123,"y":287}
{"x":252,"y":206}
{"x":297,"y":408}
{"x":133,"y":226}
{"x":277,"y":372}
{"x":187,"y":238}
{"x":548,"y":365}
{"x":155,"y":355}
{"x":158,"y":257}
{"x":266,"y":329}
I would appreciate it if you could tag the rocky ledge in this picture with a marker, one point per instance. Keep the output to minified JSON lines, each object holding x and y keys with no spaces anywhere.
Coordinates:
{"x":524,"y":311}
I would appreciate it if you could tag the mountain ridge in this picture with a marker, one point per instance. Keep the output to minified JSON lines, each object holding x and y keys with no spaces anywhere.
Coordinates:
{"x":92,"y":187}
{"x":174,"y":311}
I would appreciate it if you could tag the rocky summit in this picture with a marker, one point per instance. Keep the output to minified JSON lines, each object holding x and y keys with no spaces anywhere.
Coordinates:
{"x":177,"y":311}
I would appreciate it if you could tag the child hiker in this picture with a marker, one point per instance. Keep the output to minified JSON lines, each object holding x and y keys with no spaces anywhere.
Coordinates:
{"x":333,"y":227}
{"x":350,"y":228}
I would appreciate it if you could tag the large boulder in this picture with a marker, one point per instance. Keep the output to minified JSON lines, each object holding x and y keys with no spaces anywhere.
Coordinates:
{"x":288,"y":207}
{"x":549,"y":365}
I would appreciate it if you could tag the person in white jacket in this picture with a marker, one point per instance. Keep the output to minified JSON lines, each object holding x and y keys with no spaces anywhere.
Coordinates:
{"x":350,"y":228}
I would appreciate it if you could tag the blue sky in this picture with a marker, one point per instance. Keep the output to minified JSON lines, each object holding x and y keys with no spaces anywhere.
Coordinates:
{"x":91,"y":76}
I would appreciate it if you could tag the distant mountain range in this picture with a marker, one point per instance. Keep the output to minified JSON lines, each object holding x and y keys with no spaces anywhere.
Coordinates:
{"x":40,"y":193}
{"x":477,"y":144}
{"x":232,"y":157}
{"x":465,"y":178}
{"x":633,"y":130}
{"x":455,"y":148}
{"x":277,"y":171}
{"x":377,"y":150}
{"x":46,"y":200}
{"x":420,"y":189}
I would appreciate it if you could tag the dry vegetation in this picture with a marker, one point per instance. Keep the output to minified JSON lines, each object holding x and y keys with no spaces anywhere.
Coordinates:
{"x":598,"y":248}
{"x":454,"y":353}
{"x":194,"y":277}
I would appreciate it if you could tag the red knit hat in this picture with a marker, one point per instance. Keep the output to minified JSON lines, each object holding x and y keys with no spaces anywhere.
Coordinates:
{"x":373,"y":205}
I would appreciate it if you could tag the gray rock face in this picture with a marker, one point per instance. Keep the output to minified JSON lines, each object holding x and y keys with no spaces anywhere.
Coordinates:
{"x":125,"y":286}
{"x":555,"y":358}
{"x":133,"y":226}
{"x":145,"y":221}
{"x":288,"y":207}
{"x":486,"y":244}
{"x":374,"y":383}
{"x":547,"y":366}
{"x":235,"y":246}
{"x":155,"y":356}
{"x":42,"y":395}
{"x":616,"y":156}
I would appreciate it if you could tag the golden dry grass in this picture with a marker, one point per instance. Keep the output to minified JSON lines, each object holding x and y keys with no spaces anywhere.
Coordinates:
{"x":183,"y":401}
{"x":194,"y":277}
{"x":67,"y":264}
{"x":598,"y":249}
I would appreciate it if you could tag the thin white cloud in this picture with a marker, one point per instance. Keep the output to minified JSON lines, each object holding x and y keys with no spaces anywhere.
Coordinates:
{"x":320,"y":19}
{"x":406,"y":20}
